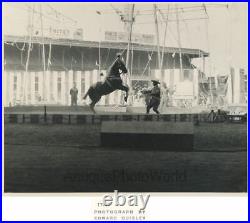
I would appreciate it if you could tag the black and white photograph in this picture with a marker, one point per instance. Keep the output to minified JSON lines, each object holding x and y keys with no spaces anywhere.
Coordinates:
{"x":128,"y":97}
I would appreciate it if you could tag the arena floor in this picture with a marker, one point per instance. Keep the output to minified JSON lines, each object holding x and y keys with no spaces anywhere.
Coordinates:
{"x":69,"y":158}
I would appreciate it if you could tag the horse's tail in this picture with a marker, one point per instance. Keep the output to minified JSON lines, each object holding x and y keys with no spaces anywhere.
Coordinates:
{"x":86,"y":95}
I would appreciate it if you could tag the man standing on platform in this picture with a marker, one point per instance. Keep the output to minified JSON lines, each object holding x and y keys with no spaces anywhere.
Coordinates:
{"x":155,"y":99}
{"x":74,"y":93}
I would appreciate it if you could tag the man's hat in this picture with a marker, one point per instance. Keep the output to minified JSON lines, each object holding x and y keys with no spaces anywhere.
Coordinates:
{"x":119,"y":54}
{"x":155,"y":81}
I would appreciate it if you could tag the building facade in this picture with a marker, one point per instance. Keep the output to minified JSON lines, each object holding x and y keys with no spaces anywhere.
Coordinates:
{"x":53,"y":87}
{"x":46,"y":78}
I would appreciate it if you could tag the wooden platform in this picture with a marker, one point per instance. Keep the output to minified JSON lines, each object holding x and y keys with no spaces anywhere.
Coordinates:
{"x":53,"y":109}
{"x":148,"y":135}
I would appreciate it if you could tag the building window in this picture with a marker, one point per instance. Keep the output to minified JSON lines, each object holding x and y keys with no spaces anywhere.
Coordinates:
{"x":36,"y":84}
{"x":82,"y":85}
{"x":245,"y":83}
{"x":15,"y":83}
{"x":37,"y":95}
{"x":187,"y":75}
{"x":59,"y":86}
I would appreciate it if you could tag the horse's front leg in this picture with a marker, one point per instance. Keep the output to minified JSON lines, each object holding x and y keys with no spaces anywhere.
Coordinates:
{"x":90,"y":90}
{"x":126,"y":96}
{"x":126,"y":89}
{"x":86,"y":95}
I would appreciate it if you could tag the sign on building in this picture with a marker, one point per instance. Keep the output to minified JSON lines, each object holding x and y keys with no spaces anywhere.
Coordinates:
{"x":78,"y":34}
{"x":123,"y":37}
{"x":111,"y":36}
{"x":56,"y":32}
{"x":148,"y":39}
{"x":59,"y":33}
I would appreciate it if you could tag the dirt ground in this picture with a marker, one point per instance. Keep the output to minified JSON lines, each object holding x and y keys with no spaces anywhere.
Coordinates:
{"x":69,"y":158}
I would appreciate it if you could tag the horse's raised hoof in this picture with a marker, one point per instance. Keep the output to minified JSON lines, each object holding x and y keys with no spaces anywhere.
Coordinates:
{"x":125,"y":98}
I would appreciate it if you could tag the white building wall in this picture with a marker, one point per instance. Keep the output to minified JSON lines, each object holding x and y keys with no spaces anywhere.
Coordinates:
{"x":47,"y":87}
{"x":78,"y":86}
{"x":70,"y":85}
{"x":87,"y":83}
{"x":55,"y":90}
{"x":196,"y":85}
{"x":11,"y":88}
{"x":166,"y":78}
{"x":171,"y":77}
{"x":173,"y":80}
{"x":18,"y":90}
{"x":95,"y":76}
{"x":63,"y":100}
{"x":32,"y":87}
{"x":6,"y":88}
{"x":66,"y":88}
{"x":229,"y":95}
{"x":52,"y":87}
{"x":157,"y":75}
{"x":236,"y":86}
{"x":40,"y":86}
{"x":176,"y":76}
{"x":25,"y":86}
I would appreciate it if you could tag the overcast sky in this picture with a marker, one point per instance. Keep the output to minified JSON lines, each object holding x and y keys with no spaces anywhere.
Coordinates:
{"x":223,"y":35}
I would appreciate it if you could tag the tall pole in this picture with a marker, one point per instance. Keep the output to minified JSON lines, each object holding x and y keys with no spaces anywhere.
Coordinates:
{"x":99,"y":47}
{"x":130,"y":20}
{"x":30,"y":37}
{"x":44,"y":63}
{"x":164,"y":40}
{"x":157,"y":36}
{"x":207,"y":37}
{"x":203,"y":63}
{"x":179,"y":37}
{"x":41,"y":19}
{"x":99,"y":56}
{"x":30,"y":30}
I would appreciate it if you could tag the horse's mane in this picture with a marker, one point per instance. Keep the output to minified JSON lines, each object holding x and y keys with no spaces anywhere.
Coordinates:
{"x":114,"y":63}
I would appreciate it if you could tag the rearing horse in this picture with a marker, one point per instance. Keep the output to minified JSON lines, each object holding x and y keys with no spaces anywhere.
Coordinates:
{"x":112,"y":82}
